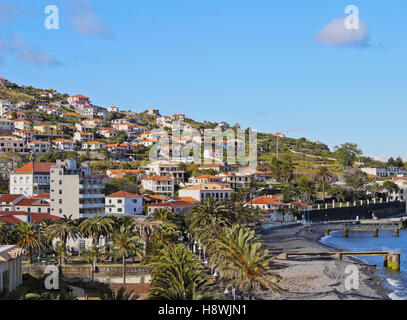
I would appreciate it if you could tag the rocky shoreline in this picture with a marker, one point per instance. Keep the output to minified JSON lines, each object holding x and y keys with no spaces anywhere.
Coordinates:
{"x":318,"y":278}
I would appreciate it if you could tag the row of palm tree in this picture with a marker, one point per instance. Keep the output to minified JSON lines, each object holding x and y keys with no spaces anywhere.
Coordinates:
{"x":177,"y":273}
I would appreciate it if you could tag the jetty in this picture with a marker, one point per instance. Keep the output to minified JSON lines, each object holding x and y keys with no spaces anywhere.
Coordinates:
{"x":391,"y":259}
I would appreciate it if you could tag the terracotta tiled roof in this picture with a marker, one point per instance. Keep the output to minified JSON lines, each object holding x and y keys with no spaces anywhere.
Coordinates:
{"x":158,"y":178}
{"x":42,"y":196}
{"x":172,"y":204}
{"x":38,"y":217}
{"x":10,"y":220}
{"x":36,"y":167}
{"x":123,"y":194}
{"x":9,"y":197}
{"x":265,"y":200}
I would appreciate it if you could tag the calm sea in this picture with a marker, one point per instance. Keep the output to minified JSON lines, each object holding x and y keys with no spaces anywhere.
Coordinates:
{"x":364,"y":241}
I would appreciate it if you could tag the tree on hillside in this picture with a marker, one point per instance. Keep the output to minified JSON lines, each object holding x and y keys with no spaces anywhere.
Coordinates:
{"x":323,"y":176}
{"x":347,"y":154}
{"x":391,"y":187}
{"x":357,"y":181}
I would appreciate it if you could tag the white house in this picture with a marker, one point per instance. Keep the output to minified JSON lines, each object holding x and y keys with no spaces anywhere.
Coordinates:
{"x":123,"y":202}
{"x":159,"y":184}
{"x":39,"y":146}
{"x":92,"y":145}
{"x":64,"y":144}
{"x":206,"y":190}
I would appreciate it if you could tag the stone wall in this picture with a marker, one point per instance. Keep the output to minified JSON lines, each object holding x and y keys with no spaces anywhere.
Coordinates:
{"x":84,"y":271}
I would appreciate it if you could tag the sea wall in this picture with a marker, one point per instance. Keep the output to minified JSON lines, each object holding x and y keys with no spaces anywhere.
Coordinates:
{"x":379,"y":210}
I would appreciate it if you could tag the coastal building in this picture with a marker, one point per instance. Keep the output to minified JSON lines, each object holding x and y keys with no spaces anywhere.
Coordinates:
{"x":266,"y":203}
{"x":384,"y":171}
{"x":206,"y":190}
{"x":31,"y":179}
{"x":75,"y":190}
{"x":123,"y":203}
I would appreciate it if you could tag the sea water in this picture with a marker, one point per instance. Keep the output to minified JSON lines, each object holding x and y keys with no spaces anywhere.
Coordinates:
{"x":364,"y":241}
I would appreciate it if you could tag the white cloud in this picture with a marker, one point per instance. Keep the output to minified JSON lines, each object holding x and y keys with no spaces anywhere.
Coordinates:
{"x":85,"y":21}
{"x":18,"y":45}
{"x":335,"y":33}
{"x":380,"y":157}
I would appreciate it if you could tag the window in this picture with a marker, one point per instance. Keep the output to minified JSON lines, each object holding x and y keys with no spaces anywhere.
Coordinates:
{"x":119,"y":210}
{"x":119,"y":201}
{"x":60,"y":201}
{"x":60,"y":191}
{"x":60,"y":210}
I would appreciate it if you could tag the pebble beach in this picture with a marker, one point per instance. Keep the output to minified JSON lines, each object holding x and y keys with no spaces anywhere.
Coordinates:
{"x":318,"y":278}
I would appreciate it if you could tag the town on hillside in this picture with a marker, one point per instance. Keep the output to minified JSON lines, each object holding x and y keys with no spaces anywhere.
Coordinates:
{"x":75,"y":175}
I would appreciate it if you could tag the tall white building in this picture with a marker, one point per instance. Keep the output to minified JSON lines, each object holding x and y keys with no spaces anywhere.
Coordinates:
{"x":75,"y":190}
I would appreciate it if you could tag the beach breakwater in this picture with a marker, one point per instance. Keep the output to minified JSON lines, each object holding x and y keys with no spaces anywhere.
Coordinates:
{"x":367,"y":211}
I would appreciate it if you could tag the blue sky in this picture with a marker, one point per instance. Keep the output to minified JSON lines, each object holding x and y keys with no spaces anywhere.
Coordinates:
{"x":263,"y":64}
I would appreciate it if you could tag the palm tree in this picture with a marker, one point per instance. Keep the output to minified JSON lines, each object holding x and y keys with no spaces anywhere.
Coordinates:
{"x":356,"y":180}
{"x":178,"y":275}
{"x":244,"y":214}
{"x":120,"y":294}
{"x":62,"y":230}
{"x":126,"y":243}
{"x":244,"y":261}
{"x":30,"y":238}
{"x":323,"y":176}
{"x":4,"y":232}
{"x":92,"y":255}
{"x":146,"y":228}
{"x":208,"y":216}
{"x":375,"y":188}
{"x":60,"y":254}
{"x":96,"y":227}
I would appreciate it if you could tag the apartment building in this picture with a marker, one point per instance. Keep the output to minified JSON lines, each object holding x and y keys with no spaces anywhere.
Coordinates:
{"x":31,"y":179}
{"x":75,"y":190}
{"x":166,"y":169}
{"x":159,"y":184}
{"x":22,"y":124}
{"x":123,"y":203}
{"x":6,"y":125}
{"x":206,"y":190}
{"x":64,"y":144}
{"x":78,"y":99}
{"x":39,"y":146}
{"x":205,"y":178}
{"x":12,"y":144}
